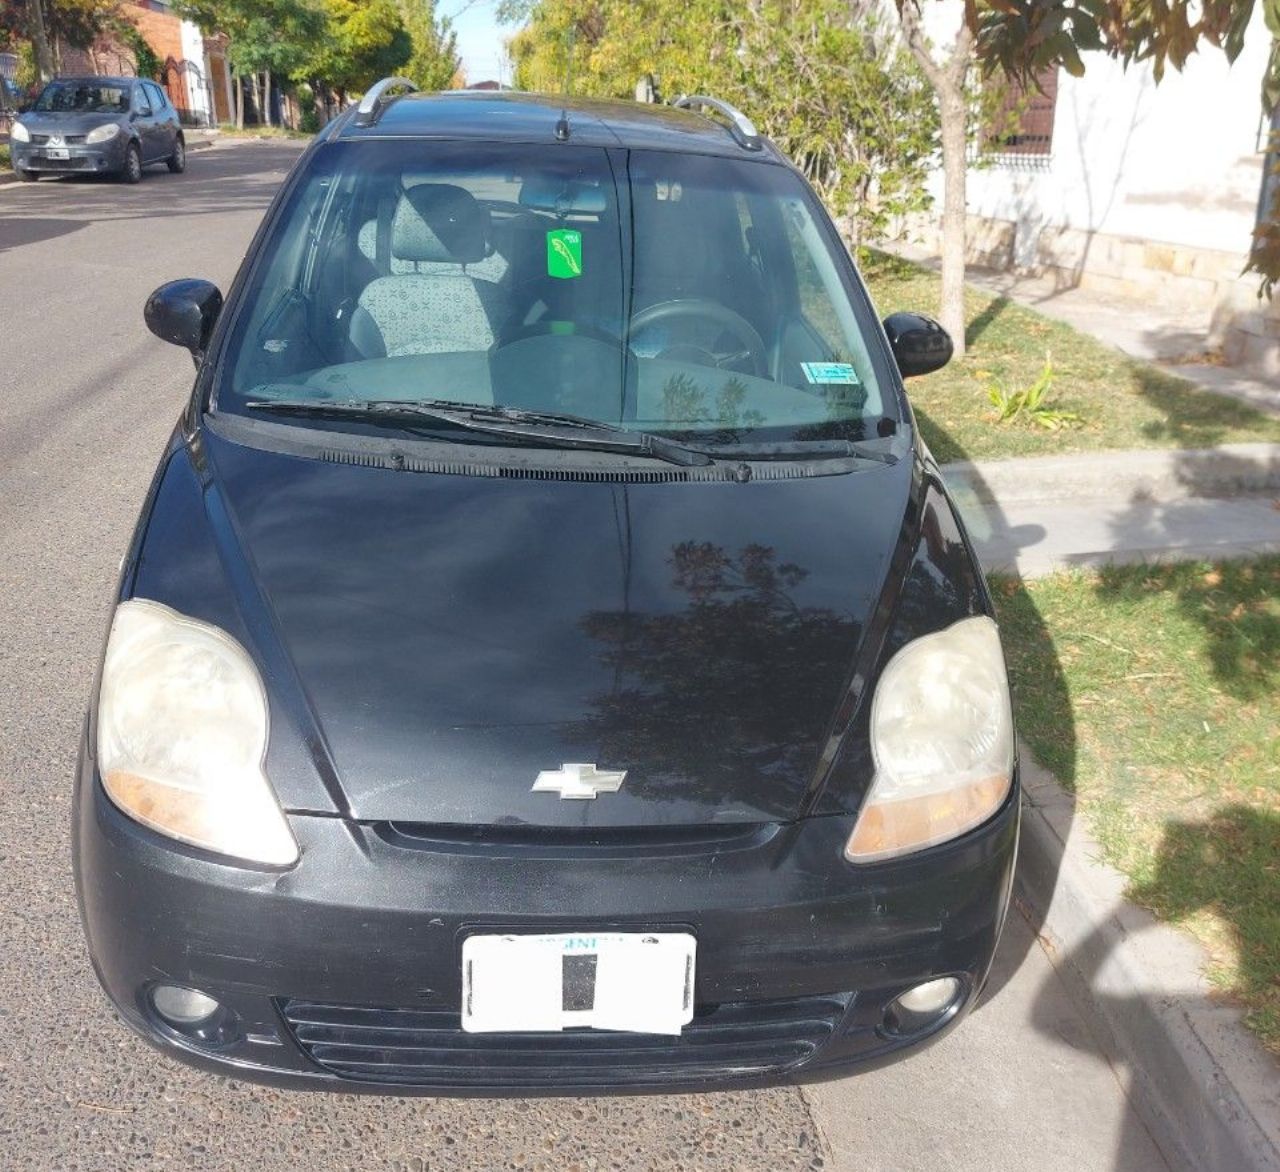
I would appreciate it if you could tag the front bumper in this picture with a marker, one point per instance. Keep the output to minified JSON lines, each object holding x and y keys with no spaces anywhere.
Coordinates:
{"x":344,"y":972}
{"x":103,"y":159}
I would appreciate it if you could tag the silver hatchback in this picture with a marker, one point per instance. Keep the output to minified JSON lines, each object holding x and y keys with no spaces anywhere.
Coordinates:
{"x":97,"y":125}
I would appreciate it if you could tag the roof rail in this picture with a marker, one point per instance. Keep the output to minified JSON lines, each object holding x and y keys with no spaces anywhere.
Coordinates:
{"x":370,"y":108}
{"x":740,"y":126}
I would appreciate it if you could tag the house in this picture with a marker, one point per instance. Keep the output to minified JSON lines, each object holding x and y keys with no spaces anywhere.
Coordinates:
{"x":194,"y":69}
{"x":1137,"y":190}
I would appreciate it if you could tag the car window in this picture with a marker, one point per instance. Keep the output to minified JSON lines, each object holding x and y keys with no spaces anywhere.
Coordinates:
{"x":159,"y":99}
{"x":84,"y":97}
{"x":140,"y":103}
{"x":663,"y":291}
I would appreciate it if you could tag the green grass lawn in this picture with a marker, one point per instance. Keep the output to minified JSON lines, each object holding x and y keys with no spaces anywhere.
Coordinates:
{"x":1122,"y":403}
{"x":1154,"y":694}
{"x":4,"y":156}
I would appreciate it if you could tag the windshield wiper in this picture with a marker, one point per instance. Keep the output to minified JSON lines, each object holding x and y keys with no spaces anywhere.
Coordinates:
{"x":546,"y":428}
{"x":808,"y":450}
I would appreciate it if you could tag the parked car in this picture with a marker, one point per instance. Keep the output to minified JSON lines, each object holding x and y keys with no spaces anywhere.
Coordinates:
{"x":98,"y":125}
{"x":548,"y":660}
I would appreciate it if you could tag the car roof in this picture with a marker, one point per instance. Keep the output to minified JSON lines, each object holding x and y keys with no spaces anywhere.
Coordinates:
{"x":533,"y":118}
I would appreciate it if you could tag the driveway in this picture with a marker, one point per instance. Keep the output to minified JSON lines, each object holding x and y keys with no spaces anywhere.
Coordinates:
{"x":87,"y":399}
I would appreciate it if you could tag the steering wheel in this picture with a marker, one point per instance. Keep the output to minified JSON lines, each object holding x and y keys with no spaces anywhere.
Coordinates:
{"x":721,"y":319}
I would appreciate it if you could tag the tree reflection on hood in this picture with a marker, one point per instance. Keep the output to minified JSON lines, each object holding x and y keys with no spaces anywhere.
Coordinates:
{"x":731,"y":695}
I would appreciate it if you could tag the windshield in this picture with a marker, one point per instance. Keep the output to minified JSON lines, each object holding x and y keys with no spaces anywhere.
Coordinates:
{"x":673,"y":293}
{"x":84,"y":97}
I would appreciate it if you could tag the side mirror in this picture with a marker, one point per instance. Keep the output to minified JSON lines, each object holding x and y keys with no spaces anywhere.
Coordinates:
{"x":184,"y":312}
{"x":920,"y":345}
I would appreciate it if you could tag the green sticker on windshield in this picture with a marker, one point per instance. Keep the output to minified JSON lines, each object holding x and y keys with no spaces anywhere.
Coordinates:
{"x":564,"y":253}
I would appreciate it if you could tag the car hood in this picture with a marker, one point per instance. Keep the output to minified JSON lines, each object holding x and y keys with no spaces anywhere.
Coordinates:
{"x":60,"y":122}
{"x":454,"y":636}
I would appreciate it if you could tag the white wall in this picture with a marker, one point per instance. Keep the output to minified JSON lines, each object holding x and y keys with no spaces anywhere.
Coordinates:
{"x":198,"y":98}
{"x":1177,"y":163}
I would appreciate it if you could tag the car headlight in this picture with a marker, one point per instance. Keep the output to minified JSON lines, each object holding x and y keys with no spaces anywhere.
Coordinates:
{"x":942,"y":741}
{"x":19,"y":133}
{"x":182,"y":733}
{"x":103,"y":133}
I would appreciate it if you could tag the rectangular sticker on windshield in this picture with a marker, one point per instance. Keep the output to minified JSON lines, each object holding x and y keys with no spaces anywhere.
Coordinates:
{"x":564,"y":253}
{"x":830,"y":372}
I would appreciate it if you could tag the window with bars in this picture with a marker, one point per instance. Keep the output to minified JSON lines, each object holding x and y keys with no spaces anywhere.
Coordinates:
{"x":1025,"y":121}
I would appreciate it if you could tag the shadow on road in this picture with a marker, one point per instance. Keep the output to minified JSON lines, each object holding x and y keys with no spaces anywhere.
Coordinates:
{"x":215,"y":183}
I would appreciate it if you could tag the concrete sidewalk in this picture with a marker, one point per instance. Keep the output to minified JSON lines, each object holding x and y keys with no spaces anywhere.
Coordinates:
{"x":1033,"y":516}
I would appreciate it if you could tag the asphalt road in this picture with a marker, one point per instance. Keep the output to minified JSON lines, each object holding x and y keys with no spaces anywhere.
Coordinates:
{"x":87,"y":399}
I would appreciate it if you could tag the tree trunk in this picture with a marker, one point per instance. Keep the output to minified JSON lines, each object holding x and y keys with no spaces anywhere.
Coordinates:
{"x":954,"y":145}
{"x":40,"y":41}
{"x":238,"y":86}
{"x":266,"y":96}
{"x":948,"y":78}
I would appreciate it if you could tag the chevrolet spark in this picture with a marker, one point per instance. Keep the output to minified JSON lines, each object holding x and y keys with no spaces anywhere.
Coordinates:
{"x":547,"y":659}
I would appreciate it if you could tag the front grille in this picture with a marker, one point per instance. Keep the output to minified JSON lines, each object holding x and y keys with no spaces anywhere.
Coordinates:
{"x":68,"y":139}
{"x":71,"y":164}
{"x":562,"y":841}
{"x":417,"y":1047}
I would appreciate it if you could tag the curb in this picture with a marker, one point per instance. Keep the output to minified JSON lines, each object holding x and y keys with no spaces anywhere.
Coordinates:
{"x":1203,"y":1085}
{"x":1153,"y":476}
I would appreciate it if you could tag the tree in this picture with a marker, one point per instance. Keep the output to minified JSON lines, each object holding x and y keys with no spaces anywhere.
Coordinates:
{"x":363,"y":42}
{"x":42,"y":22}
{"x":828,"y":84}
{"x":1020,"y":37}
{"x":265,"y":37}
{"x":22,"y":23}
{"x":433,"y":59}
{"x":949,"y":78}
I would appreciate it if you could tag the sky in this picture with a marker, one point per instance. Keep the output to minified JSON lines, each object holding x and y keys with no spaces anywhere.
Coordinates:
{"x":480,"y":38}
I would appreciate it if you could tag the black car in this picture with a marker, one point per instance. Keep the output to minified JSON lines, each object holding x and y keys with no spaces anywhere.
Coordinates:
{"x":547,"y":659}
{"x":97,"y":125}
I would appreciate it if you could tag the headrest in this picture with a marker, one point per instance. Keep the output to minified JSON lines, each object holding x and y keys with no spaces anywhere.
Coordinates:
{"x":565,"y":197}
{"x":437,"y":221}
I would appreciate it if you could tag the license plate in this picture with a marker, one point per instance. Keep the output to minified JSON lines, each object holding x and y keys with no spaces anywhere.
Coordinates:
{"x":57,"y":153}
{"x":640,"y":982}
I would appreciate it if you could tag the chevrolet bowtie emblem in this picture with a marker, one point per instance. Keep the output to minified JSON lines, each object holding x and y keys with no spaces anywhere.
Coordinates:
{"x":579,"y":781}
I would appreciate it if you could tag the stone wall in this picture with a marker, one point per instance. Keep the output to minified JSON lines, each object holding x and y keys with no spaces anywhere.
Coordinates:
{"x":1128,"y":268}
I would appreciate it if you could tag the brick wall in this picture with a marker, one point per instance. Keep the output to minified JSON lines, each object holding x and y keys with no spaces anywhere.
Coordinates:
{"x":163,"y":32}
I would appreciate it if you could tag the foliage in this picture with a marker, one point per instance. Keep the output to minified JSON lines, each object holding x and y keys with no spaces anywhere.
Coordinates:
{"x":824,"y":79}
{"x":1021,"y":37}
{"x":273,"y":35}
{"x":363,"y":41}
{"x":433,"y":59}
{"x":80,"y":22}
{"x":1029,"y":403}
{"x":145,"y":61}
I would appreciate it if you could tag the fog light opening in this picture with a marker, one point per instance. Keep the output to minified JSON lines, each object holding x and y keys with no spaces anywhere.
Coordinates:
{"x":194,"y":1016}
{"x":923,"y":1007}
